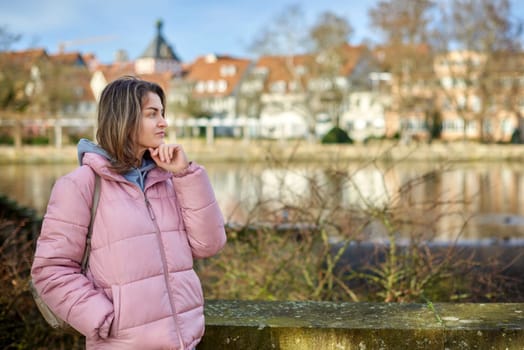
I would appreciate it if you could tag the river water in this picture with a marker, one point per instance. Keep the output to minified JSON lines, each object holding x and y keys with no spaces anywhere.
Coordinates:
{"x":482,"y":201}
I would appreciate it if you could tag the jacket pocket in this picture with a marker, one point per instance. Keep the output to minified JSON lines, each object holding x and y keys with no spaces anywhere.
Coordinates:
{"x":115,"y":326}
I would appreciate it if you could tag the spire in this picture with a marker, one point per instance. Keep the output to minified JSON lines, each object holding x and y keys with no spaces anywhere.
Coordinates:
{"x":159,"y":25}
{"x":159,"y":47}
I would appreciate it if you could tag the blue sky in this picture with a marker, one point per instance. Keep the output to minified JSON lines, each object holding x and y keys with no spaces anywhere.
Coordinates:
{"x":193,"y":27}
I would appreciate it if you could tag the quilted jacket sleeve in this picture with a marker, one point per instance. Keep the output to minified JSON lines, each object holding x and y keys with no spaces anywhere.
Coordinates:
{"x":56,"y":266}
{"x":200,"y":211}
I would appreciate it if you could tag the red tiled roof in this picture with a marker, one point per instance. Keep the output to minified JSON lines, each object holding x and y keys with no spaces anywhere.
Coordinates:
{"x":114,"y":71}
{"x":25,"y":57}
{"x":209,"y":68}
{"x":91,"y":61}
{"x":280,"y":68}
{"x":69,"y":58}
{"x":82,"y":78}
{"x":351,"y":56}
{"x":163,"y":79}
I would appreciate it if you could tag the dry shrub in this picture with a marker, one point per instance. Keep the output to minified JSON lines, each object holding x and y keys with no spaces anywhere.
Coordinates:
{"x":21,"y":325}
{"x":310,"y":245}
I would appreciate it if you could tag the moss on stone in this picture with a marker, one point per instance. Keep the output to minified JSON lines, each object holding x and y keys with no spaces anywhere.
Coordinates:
{"x":325,"y":325}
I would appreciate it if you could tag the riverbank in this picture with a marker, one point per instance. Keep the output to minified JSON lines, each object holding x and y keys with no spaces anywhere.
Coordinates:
{"x":225,"y":150}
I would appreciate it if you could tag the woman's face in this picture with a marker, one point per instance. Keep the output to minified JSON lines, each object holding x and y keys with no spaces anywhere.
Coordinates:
{"x":152,"y":124}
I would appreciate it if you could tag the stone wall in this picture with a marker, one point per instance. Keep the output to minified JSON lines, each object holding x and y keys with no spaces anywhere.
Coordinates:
{"x":361,"y":326}
{"x":294,"y":150}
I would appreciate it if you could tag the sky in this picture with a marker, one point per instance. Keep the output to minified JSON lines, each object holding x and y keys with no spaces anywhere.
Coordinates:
{"x":192,"y":27}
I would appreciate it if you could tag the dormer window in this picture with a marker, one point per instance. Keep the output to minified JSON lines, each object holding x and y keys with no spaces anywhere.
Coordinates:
{"x":300,"y":70}
{"x":228,"y":70}
{"x":261,"y":71}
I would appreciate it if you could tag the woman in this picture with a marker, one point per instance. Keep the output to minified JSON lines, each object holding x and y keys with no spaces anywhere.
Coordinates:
{"x":156,"y":212}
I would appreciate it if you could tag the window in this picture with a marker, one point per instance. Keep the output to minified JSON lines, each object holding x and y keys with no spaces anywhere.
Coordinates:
{"x":300,"y":70}
{"x":200,"y":87}
{"x":460,"y":83}
{"x":227,"y":70}
{"x":447,"y":82}
{"x":446,"y":104}
{"x":379,"y":123}
{"x":476,"y":104}
{"x":453,"y":125}
{"x":278,"y":86}
{"x":413,"y":124}
{"x":341,"y":82}
{"x":471,"y":126}
{"x":487,"y":126}
{"x":507,"y":82}
{"x":260,"y":71}
{"x":461,"y":102}
{"x":506,"y":126}
{"x":222,"y":85}
{"x":210,"y":86}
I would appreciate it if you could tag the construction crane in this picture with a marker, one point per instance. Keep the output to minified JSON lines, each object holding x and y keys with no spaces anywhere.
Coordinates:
{"x":94,"y":39}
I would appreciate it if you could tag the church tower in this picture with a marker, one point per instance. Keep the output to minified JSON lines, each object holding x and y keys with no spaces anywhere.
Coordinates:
{"x":159,"y":56}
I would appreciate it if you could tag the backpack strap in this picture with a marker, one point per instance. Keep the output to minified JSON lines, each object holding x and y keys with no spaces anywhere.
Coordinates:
{"x":94,"y":206}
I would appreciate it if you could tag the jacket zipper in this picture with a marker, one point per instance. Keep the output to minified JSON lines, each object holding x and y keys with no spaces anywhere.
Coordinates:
{"x":166,"y":272}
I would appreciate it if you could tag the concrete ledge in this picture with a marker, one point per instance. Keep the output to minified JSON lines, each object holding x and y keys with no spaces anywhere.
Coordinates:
{"x":361,"y":326}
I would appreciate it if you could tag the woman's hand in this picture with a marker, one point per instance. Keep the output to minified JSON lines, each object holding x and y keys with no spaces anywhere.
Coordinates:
{"x":170,"y":157}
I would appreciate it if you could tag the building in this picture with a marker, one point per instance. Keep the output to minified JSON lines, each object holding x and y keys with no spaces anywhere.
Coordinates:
{"x":211,"y":86}
{"x":481,"y":96}
{"x":158,"y":57}
{"x":304,"y":96}
{"x":159,"y":63}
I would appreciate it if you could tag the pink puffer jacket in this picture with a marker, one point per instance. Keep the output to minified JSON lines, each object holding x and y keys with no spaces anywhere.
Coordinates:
{"x":141,"y":291}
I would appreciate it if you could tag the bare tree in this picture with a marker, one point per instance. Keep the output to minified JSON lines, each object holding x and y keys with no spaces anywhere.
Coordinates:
{"x":328,"y":85}
{"x":312,"y":61}
{"x":404,"y":51}
{"x":480,"y":45}
{"x":284,"y":35}
{"x":17,"y":72}
{"x":402,"y":21}
{"x":7,"y":38}
{"x":330,"y":31}
{"x":35,"y":87}
{"x":13,"y":78}
{"x":11,"y":74}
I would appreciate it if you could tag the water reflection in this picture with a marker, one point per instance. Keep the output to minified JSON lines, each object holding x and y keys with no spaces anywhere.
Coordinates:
{"x":490,"y":198}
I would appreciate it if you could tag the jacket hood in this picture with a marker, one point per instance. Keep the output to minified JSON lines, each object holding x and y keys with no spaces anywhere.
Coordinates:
{"x":135,"y":175}
{"x":87,"y":146}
